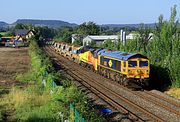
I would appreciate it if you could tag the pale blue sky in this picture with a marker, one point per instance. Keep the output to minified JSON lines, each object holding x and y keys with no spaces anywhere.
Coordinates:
{"x":79,"y":11}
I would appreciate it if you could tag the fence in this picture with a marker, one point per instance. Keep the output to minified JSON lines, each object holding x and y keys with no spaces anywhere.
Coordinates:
{"x":75,"y":116}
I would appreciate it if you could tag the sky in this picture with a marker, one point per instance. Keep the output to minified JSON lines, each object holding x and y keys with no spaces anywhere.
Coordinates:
{"x":79,"y":11}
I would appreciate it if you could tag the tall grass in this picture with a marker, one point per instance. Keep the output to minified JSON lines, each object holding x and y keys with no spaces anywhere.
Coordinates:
{"x":31,"y":104}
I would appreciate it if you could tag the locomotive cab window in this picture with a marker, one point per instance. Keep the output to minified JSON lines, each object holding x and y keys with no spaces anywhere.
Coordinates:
{"x":132,"y":63}
{"x":143,"y":63}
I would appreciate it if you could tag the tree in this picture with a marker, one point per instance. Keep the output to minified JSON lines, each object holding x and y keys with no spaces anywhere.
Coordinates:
{"x":77,"y":42}
{"x":20,"y":26}
{"x":92,"y":44}
{"x":109,"y":45}
{"x":159,"y":25}
{"x":88,"y":28}
{"x":164,"y":50}
{"x":64,"y":34}
{"x":144,"y":37}
{"x":43,"y":32}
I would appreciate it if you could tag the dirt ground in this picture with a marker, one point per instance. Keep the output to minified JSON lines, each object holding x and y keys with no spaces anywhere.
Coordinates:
{"x":12,"y":61}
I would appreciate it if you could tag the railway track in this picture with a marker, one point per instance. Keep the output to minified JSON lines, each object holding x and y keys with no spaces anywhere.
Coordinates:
{"x":158,"y":100}
{"x":102,"y":92}
{"x":161,"y":101}
{"x":177,"y":104}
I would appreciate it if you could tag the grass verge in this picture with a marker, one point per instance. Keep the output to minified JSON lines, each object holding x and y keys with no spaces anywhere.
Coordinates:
{"x":175,"y":92}
{"x":40,"y":101}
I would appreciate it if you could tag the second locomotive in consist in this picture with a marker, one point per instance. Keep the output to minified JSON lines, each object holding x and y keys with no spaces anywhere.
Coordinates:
{"x":123,"y":67}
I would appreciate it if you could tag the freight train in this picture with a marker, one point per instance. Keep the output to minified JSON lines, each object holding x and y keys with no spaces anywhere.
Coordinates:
{"x":123,"y":67}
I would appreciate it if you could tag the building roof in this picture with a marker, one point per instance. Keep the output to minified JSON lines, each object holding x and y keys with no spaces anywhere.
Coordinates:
{"x":106,"y":37}
{"x":22,"y":32}
{"x":122,"y":55}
